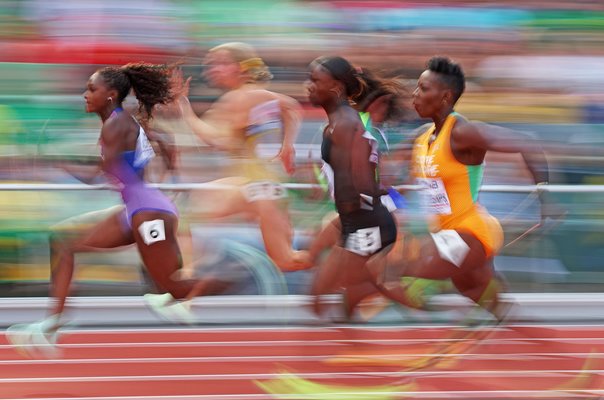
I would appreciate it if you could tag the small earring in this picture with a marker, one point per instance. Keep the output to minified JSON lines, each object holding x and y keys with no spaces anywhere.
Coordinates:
{"x":338,"y":92}
{"x":110,"y":99}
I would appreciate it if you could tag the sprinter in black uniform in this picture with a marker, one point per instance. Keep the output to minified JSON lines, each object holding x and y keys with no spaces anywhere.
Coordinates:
{"x":367,"y":226}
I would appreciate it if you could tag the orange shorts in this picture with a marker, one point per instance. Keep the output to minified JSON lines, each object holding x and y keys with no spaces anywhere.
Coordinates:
{"x":483,"y":226}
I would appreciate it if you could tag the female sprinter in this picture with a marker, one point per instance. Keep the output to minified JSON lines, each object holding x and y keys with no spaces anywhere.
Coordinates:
{"x":245,"y":115}
{"x":148,"y":219}
{"x":365,"y":224}
{"x":384,"y":101}
{"x":448,"y":162}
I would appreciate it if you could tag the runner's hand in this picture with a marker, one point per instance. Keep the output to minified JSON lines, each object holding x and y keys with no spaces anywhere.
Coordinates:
{"x":180,"y":86}
{"x":549,"y":208}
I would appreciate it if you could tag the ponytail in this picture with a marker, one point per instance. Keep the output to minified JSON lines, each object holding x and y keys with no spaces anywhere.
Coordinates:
{"x":151,"y":84}
{"x":343,"y":71}
{"x":397,"y":96}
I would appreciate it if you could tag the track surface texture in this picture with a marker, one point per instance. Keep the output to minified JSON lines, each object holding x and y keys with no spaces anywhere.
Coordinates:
{"x":341,"y":362}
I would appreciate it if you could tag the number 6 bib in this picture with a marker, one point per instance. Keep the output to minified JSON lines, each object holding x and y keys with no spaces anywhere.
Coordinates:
{"x":152,"y":231}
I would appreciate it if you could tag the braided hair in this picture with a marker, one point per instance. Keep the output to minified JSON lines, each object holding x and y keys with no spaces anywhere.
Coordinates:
{"x":150,"y":83}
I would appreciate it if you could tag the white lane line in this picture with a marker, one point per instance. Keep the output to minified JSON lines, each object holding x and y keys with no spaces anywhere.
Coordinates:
{"x":267,"y":343}
{"x":282,"y":358}
{"x":476,"y":394}
{"x":305,"y":329}
{"x":308,"y":375}
{"x":329,"y":342}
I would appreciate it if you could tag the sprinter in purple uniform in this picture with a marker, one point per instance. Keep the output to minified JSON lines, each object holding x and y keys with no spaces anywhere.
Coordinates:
{"x":149,"y":218}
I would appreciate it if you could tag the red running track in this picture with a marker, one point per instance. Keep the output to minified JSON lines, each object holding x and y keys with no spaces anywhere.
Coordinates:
{"x":356,"y":362}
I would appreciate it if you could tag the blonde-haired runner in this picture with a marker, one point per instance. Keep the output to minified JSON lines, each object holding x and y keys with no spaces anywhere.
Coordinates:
{"x":245,"y":115}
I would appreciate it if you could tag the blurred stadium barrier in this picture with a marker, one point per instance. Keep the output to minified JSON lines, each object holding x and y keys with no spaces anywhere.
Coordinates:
{"x":565,"y":258}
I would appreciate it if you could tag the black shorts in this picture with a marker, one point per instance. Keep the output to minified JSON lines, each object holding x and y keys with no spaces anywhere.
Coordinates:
{"x":366,"y":232}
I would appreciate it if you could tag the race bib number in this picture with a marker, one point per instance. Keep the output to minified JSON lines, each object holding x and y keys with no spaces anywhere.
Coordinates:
{"x":364,"y":241}
{"x":264,"y":191}
{"x":152,"y":231}
{"x":451,"y":246}
{"x":434,"y":197}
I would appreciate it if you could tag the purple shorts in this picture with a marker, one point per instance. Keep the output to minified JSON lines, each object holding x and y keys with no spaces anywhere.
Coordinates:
{"x":142,"y":198}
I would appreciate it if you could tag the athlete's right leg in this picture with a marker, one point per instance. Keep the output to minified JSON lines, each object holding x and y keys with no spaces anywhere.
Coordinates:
{"x":222,"y":199}
{"x":473,"y":274}
{"x":484,"y":287}
{"x":444,"y":255}
{"x":155,"y":236}
{"x":39,"y":338}
{"x":330,"y":234}
{"x":254,"y":200}
{"x":108,"y":233}
{"x":277,"y":235}
{"x":74,"y":228}
{"x":458,"y":256}
{"x":386,"y":272}
{"x":340,"y":269}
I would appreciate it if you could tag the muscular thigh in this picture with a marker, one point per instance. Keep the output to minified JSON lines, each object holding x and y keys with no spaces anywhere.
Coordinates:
{"x":222,"y":194}
{"x":107,"y":234}
{"x":80,"y":226}
{"x":448,"y":254}
{"x":155,"y":234}
{"x":340,"y":268}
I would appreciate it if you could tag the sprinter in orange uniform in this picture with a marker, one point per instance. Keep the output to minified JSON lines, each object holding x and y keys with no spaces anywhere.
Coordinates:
{"x":448,"y":162}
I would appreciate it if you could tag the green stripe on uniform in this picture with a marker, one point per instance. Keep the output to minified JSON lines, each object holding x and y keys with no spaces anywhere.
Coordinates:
{"x":475,"y":175}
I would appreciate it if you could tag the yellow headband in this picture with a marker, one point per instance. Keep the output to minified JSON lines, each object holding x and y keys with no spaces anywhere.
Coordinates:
{"x":251,"y":63}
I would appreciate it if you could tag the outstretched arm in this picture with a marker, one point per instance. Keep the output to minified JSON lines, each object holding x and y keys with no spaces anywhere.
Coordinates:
{"x":207,"y":129}
{"x":480,"y":137}
{"x":484,"y":137}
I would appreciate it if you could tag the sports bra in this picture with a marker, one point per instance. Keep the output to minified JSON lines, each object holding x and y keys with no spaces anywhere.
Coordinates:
{"x":263,"y":118}
{"x":134,"y":161}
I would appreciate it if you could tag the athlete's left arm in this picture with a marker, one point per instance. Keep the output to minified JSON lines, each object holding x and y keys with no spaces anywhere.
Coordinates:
{"x":485,"y":137}
{"x":111,"y":139}
{"x":166,"y":145}
{"x":291,"y":115}
{"x":84,"y":173}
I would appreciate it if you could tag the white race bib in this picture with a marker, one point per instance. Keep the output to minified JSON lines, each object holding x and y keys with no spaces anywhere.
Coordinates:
{"x":433,"y":196}
{"x":152,"y":231}
{"x":364,"y":241}
{"x":451,"y":246}
{"x":265,"y":190}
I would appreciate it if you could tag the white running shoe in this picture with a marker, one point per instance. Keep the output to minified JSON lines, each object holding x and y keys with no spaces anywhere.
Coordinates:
{"x":170,"y":309}
{"x":35,"y":340}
